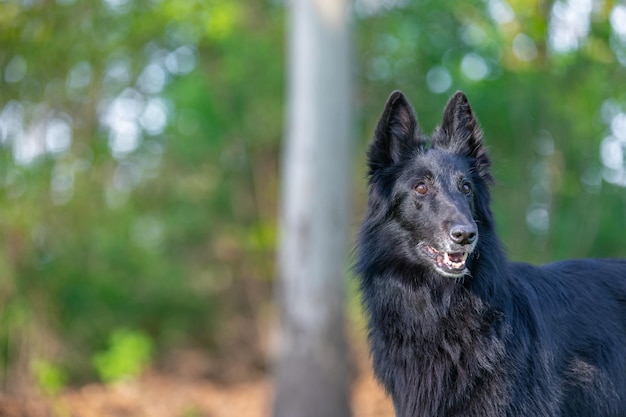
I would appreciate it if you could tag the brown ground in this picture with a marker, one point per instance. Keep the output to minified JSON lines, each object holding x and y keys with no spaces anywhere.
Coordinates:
{"x":159,"y":394}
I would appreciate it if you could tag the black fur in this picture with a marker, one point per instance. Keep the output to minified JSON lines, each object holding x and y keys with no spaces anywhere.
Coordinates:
{"x":482,"y":337}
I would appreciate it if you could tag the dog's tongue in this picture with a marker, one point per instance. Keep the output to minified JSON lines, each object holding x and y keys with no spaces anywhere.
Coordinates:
{"x":453,"y":260}
{"x":456,"y":257}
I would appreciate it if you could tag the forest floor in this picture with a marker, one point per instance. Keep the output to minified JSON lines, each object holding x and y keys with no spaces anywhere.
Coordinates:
{"x":163,"y":394}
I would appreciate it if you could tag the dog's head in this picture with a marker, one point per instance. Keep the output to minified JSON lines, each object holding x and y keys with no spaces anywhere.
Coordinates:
{"x":428,"y":198}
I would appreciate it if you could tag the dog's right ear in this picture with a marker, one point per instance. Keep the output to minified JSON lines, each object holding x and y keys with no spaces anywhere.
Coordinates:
{"x":396,"y":135}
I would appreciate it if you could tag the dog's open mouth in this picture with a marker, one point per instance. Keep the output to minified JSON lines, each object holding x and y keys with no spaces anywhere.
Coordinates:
{"x":450,"y":263}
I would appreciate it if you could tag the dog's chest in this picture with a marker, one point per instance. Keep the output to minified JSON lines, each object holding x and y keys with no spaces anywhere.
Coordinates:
{"x":437,"y":352}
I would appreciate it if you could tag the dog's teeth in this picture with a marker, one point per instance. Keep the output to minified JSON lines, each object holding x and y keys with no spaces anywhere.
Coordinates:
{"x":447,"y":260}
{"x":453,"y":261}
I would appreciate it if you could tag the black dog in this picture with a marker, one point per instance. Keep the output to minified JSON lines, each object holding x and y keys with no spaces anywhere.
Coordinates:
{"x":457,"y":330}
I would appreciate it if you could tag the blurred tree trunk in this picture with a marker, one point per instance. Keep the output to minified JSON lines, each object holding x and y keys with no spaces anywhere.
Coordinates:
{"x":311,"y":371}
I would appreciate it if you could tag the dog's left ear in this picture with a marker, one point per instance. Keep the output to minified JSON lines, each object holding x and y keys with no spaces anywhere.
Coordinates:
{"x":460,"y":133}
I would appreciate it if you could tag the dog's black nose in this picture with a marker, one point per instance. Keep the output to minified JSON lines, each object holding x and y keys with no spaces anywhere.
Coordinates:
{"x":463,"y":234}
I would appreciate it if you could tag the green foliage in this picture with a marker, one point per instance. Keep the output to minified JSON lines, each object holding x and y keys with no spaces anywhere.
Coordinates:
{"x":128,"y":354}
{"x":192,"y":412}
{"x":126,"y":226}
{"x":50,"y":378}
{"x":139,"y":150}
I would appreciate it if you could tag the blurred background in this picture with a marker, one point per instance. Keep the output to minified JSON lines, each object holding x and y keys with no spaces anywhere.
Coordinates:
{"x":139,"y":174}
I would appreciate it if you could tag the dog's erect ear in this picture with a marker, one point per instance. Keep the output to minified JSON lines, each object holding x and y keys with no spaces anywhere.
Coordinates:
{"x":460,"y":133}
{"x":397,"y":134}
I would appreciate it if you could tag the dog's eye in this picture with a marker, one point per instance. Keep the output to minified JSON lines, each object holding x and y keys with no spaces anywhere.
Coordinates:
{"x":466,"y":188}
{"x":421,"y":188}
